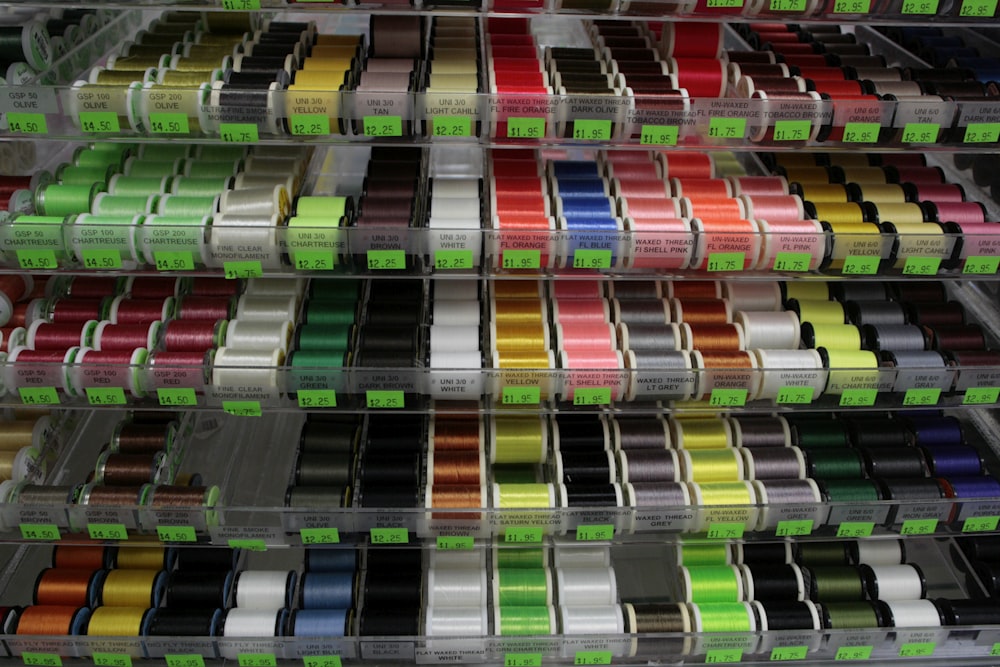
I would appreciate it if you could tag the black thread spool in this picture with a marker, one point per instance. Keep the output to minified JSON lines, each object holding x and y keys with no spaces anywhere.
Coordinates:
{"x":895,"y":463}
{"x":860,"y":291}
{"x":581,"y":433}
{"x":389,"y":619}
{"x":950,"y":313}
{"x":387,"y":314}
{"x":396,"y":434}
{"x":410,"y":292}
{"x":381,"y":470}
{"x":198,"y":589}
{"x":317,"y":497}
{"x":182,"y":622}
{"x":877,"y":431}
{"x":968,"y":337}
{"x":775,"y":583}
{"x":818,"y":432}
{"x":329,"y":438}
{"x":791,"y":615}
{"x":207,"y":558}
{"x":985,"y":548}
{"x":586,"y":467}
{"x":324,"y":470}
{"x":593,"y":495}
{"x":381,"y":496}
{"x":754,"y":553}
{"x":972,"y":613}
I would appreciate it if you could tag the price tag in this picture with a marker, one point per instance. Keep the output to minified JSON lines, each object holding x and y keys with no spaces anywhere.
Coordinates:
{"x":190,"y":660}
{"x":664,"y":135}
{"x":309,"y":124}
{"x":37,"y":259}
{"x":41,"y":659}
{"x":981,"y":133}
{"x":102,"y":259}
{"x":319,"y":536}
{"x":257,"y":660}
{"x":794,"y":528}
{"x":727,"y":128}
{"x":453,"y":259}
{"x":917,"y":650}
{"x":724,"y":4}
{"x":249,"y":545}
{"x":106,"y":396}
{"x":592,"y":130}
{"x":592,"y":533}
{"x":795,"y":395}
{"x":239,"y":133}
{"x":522,"y":259}
{"x":383,"y":126}
{"x":723,"y":655}
{"x":383,"y":260}
{"x":978,"y":9}
{"x":522,"y":535}
{"x":452,"y":126}
{"x":39,"y":395}
{"x":522,"y":660}
{"x":317,"y":398}
{"x":920,"y":133}
{"x":169,"y":123}
{"x":521,"y":395}
{"x":173,"y":261}
{"x":241,"y":5}
{"x":389,"y":536}
{"x":592,"y":259}
{"x":980,"y":524}
{"x":235,"y":270}
{"x":859,"y":133}
{"x":726,"y":261}
{"x":921,"y":266}
{"x":995,"y":650}
{"x":27,"y":123}
{"x":921,"y":396}
{"x":314,"y":260}
{"x":47,"y":532}
{"x":385,"y":399}
{"x":788,"y":5}
{"x":242,"y":408}
{"x":918,"y":527}
{"x":176,"y":534}
{"x":858,"y":398}
{"x":594,"y":396}
{"x":112,"y":660}
{"x":525,"y":128}
{"x":455,"y":543}
{"x":852,"y":6}
{"x":792,"y":130}
{"x":789,"y":653}
{"x":728,"y":398}
{"x":855,"y":529}
{"x":919,"y":7}
{"x":853,"y":653}
{"x":107,"y":531}
{"x":860,"y":265}
{"x":981,"y":396}
{"x":592,"y":658}
{"x":981,"y":264}
{"x":725,"y":531}
{"x":322,"y":661}
{"x":176,"y":397}
{"x":99,"y":122}
{"x":792,"y":261}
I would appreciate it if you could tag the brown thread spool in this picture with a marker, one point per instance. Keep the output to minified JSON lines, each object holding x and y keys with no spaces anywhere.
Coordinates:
{"x":453,"y":436}
{"x":456,"y":468}
{"x":456,"y":496}
{"x":127,"y":469}
{"x":702,"y":311}
{"x":82,"y":558}
{"x":113,"y":496}
{"x":141,"y":439}
{"x":167,"y":495}
{"x":695,"y":289}
{"x":714,"y":337}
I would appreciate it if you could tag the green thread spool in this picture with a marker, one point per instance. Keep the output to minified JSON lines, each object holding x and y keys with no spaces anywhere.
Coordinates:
{"x":524,"y":496}
{"x":520,"y":586}
{"x":56,"y":199}
{"x":850,"y":490}
{"x":712,"y":583}
{"x":167,"y":233}
{"x":819,"y":313}
{"x":518,"y":440}
{"x":199,"y":187}
{"x":702,"y":433}
{"x":319,"y":359}
{"x":822,"y":554}
{"x":525,"y":621}
{"x":835,"y":464}
{"x":331,"y":208}
{"x":207,"y":169}
{"x":153,"y":168}
{"x":516,"y":558}
{"x":113,"y":148}
{"x":850,"y":615}
{"x":116,"y":233}
{"x":105,"y":204}
{"x":722,"y":617}
{"x":187,"y":206}
{"x":70,"y":174}
{"x":704,"y":554}
{"x":712,"y":465}
{"x":836,"y":584}
{"x":135,"y":186}
{"x":334,"y":290}
{"x":322,"y":337}
{"x":34,"y":232}
{"x":331,"y":313}
{"x":100,"y":158}
{"x":819,"y":434}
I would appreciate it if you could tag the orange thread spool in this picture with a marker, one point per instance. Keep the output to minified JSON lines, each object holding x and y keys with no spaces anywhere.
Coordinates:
{"x":711,"y":209}
{"x":714,"y":337}
{"x":703,"y":311}
{"x":456,"y":468}
{"x":46,"y":620}
{"x":456,"y":496}
{"x":63,"y":587}
{"x":695,"y":289}
{"x":715,"y":359}
{"x":80,"y":558}
{"x":457,"y":435}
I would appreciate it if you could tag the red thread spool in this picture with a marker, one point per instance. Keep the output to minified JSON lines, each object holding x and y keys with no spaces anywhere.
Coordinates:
{"x":78,"y":311}
{"x":720,"y":210}
{"x":523,"y":187}
{"x":173,"y":370}
{"x":14,"y":287}
{"x":502,"y":25}
{"x":839,"y":89}
{"x":211,"y":308}
{"x":93,"y":287}
{"x":687,"y":165}
{"x":701,"y":187}
{"x":58,"y":337}
{"x":695,"y":289}
{"x":701,"y":78}
{"x":521,"y":205}
{"x":125,"y":337}
{"x":78,"y":557}
{"x":817,"y":74}
{"x":190,"y":335}
{"x":140,"y":311}
{"x":214,"y":287}
{"x":727,"y":236}
{"x":153,"y":287}
{"x":693,"y":40}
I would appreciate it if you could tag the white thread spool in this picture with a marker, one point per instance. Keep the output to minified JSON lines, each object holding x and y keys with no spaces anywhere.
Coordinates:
{"x":896,"y":582}
{"x":456,"y":588}
{"x":259,"y":335}
{"x":256,"y":201}
{"x":914,"y":613}
{"x":456,"y":312}
{"x":881,"y":552}
{"x":592,"y":621}
{"x":237,"y":373}
{"x":457,"y":560}
{"x":244,"y":238}
{"x":255,"y":308}
{"x":587,"y":585}
{"x":454,"y":188}
{"x":444,"y":338}
{"x":789,"y":369}
{"x":577,"y":557}
{"x":456,"y":290}
{"x":764,"y":296}
{"x":455,"y":622}
{"x":264,"y":589}
{"x":456,"y":374}
{"x":250,"y":623}
{"x":295,"y":287}
{"x":770,"y":330}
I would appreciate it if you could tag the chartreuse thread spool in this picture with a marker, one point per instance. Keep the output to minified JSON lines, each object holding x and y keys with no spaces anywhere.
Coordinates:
{"x":186,"y":186}
{"x":59,"y":200}
{"x":104,"y":232}
{"x":832,"y":336}
{"x":524,"y":587}
{"x":525,"y":621}
{"x":520,"y":558}
{"x":70,"y":174}
{"x":524,"y":496}
{"x":105,"y":204}
{"x":134,"y":186}
{"x":187,"y":206}
{"x":710,"y":553}
{"x":817,"y":312}
{"x":712,"y":465}
{"x":172,"y":233}
{"x":518,"y":439}
{"x":702,"y":433}
{"x":850,"y":369}
{"x":712,"y":583}
{"x":722,"y":617}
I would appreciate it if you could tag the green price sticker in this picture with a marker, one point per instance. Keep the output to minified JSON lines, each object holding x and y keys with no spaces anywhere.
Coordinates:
{"x":236,"y":270}
{"x":112,"y":660}
{"x":241,"y":5}
{"x":248,"y":544}
{"x":383,"y":126}
{"x":239,"y":133}
{"x":792,"y":261}
{"x":592,"y":396}
{"x":169,"y":123}
{"x":792,"y":130}
{"x":106,"y":396}
{"x":47,"y":532}
{"x":917,"y":650}
{"x":795,"y":395}
{"x":726,"y":261}
{"x":107,"y":531}
{"x":852,"y":6}
{"x":860,"y":133}
{"x":662,"y":135}
{"x":978,"y":9}
{"x":788,"y":5}
{"x":453,"y":259}
{"x":322,"y":661}
{"x":41,"y":659}
{"x":525,"y":128}
{"x":728,"y":398}
{"x":724,"y":4}
{"x":452,"y":126}
{"x":309,"y":124}
{"x":312,"y":536}
{"x":386,"y":260}
{"x":173,"y":261}
{"x":981,"y":396}
{"x":921,"y":396}
{"x":176,"y":534}
{"x":980,"y":524}
{"x":176,"y":397}
{"x":860,"y":265}
{"x":727,"y":128}
{"x":522,"y":660}
{"x":853,"y":653}
{"x":981,"y":265}
{"x":389,"y":535}
{"x":522,"y":259}
{"x":522,"y":535}
{"x":789,"y":653}
{"x":981,"y":133}
{"x":592,"y":658}
{"x":920,"y":133}
{"x":592,"y":259}
{"x":592,"y":533}
{"x":455,"y":543}
{"x":720,"y":656}
{"x":184,"y":660}
{"x":37,"y":259}
{"x":314,"y":260}
{"x":242,"y":408}
{"x":725,"y":531}
{"x":855,"y":529}
{"x":27,"y":123}
{"x":39,"y":395}
{"x":919,"y":7}
{"x":317,"y":398}
{"x":256,"y":660}
{"x":592,"y":130}
{"x":521,"y":395}
{"x":921,"y":266}
{"x":918,"y":527}
{"x":99,"y":122}
{"x":385,"y":399}
{"x":858,"y":398}
{"x":794,"y":528}
{"x":102,"y":259}
{"x":995,"y":651}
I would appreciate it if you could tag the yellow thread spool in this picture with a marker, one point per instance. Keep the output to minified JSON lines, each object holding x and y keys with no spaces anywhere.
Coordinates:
{"x":524,"y":496}
{"x":116,"y":621}
{"x":901,"y":213}
{"x":724,"y":502}
{"x":519,"y":311}
{"x":811,"y":175}
{"x":528,"y":359}
{"x":317,"y":93}
{"x":820,"y":193}
{"x":863,"y":175}
{"x":856,"y":239}
{"x":850,"y":369}
{"x":849,"y":212}
{"x":712,"y":465}
{"x":701,"y":433}
{"x":16,"y":434}
{"x":516,"y":289}
{"x":108,"y":77}
{"x":329,"y":72}
{"x":921,"y":239}
{"x":141,"y":558}
{"x":130,"y":588}
{"x":529,"y":336}
{"x":886,"y":193}
{"x":174,"y":79}
{"x":821,"y":312}
{"x":818,"y":291}
{"x":836,"y":337}
{"x":518,"y":439}
{"x":795,"y":160}
{"x":136,"y":63}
